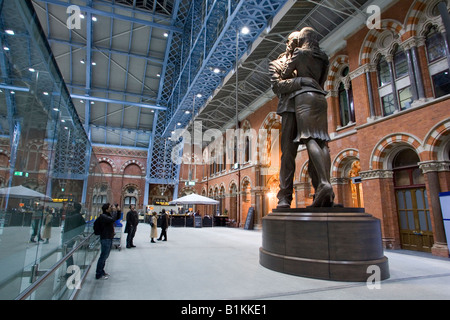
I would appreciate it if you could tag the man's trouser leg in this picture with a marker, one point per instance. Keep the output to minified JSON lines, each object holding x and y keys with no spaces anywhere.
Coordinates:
{"x":288,"y":154}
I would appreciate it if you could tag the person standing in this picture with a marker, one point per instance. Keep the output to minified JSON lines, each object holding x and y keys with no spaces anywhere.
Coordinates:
{"x":48,"y":225}
{"x":106,"y":226}
{"x":154,"y":226}
{"x":164,"y":225}
{"x":131,"y":226}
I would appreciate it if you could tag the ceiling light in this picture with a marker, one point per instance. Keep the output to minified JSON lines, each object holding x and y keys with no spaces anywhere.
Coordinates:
{"x":245,"y":30}
{"x":31,"y":70}
{"x":6,"y":48}
{"x":94,"y":63}
{"x":10,"y":32}
{"x":179,"y":124}
{"x":56,"y":109}
{"x":187,"y":112}
{"x":216,"y":70}
{"x":45,"y":93}
{"x":199,"y":95}
{"x":92,"y":102}
{"x":81,"y":16}
{"x":82,"y":61}
{"x":94,"y":18}
{"x":166,"y":34}
{"x":62,"y":120}
{"x":13,"y":92}
{"x":158,"y":75}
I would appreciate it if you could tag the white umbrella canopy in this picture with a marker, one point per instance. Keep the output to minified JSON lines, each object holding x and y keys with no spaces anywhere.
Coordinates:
{"x":22,"y":192}
{"x":194,"y":199}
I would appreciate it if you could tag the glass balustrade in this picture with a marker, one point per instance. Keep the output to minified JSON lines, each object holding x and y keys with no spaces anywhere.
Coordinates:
{"x":48,"y":172}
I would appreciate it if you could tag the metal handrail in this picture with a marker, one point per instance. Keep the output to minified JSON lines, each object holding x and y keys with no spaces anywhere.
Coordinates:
{"x":35,"y":285}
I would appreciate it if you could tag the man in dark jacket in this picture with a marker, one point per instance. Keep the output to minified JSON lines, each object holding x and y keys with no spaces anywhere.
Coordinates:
{"x":131,"y":226}
{"x":106,"y":220}
{"x":164,"y":225}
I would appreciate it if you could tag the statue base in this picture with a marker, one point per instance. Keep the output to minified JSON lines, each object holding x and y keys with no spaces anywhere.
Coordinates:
{"x":341,"y":244}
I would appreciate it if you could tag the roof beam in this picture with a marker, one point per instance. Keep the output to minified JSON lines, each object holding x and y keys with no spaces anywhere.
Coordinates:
{"x":121,"y":102}
{"x":115,"y":16}
{"x":104,"y":50}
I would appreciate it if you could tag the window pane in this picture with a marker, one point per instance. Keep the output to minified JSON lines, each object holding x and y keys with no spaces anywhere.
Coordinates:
{"x":441,"y":82}
{"x":411,"y":223}
{"x":343,"y":105}
{"x":418,"y":177}
{"x":384,"y":75}
{"x":351,"y":105}
{"x":419,"y":199}
{"x":403,"y":220}
{"x":408,"y":199}
{"x":435,"y":46}
{"x":400,"y":64}
{"x":402,"y":178}
{"x":401,"y":200}
{"x":405,"y":98}
{"x":388,"y":104}
{"x":423,"y":220}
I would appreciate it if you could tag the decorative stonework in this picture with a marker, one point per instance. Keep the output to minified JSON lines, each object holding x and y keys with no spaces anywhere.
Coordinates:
{"x":432,"y":166}
{"x":383,"y":149}
{"x":376,"y":174}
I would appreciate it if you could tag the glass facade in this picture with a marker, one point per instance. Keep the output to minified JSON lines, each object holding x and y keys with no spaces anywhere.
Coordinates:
{"x":48,"y":173}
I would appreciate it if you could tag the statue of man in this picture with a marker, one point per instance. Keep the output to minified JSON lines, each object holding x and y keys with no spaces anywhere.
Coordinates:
{"x":286,"y":109}
{"x":308,"y":61}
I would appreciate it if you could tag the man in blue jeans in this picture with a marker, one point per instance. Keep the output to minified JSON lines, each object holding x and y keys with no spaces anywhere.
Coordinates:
{"x":106,"y":220}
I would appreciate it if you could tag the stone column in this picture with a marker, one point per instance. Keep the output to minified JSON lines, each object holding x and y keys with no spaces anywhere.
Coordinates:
{"x":380,"y":202}
{"x":258,"y":194}
{"x":367,"y":71}
{"x":431,"y":170}
{"x":415,"y":71}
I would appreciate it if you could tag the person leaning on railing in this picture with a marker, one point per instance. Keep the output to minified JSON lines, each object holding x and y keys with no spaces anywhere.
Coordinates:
{"x":106,"y":222}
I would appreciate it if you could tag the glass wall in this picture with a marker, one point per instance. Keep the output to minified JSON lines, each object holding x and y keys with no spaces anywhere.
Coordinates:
{"x":48,"y":173}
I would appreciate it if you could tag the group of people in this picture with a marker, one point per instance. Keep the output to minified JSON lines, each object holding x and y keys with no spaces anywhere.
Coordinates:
{"x":110,"y":214}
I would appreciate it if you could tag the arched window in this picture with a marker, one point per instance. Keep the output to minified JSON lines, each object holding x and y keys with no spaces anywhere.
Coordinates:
{"x":346,"y":106}
{"x":437,"y":62}
{"x":395,"y":94}
{"x":384,"y":76}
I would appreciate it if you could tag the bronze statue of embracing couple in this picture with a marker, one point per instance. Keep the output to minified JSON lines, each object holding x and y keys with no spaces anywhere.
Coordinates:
{"x":297,"y":77}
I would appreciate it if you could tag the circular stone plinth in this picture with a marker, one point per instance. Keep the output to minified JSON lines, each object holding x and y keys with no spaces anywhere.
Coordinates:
{"x":341,"y":244}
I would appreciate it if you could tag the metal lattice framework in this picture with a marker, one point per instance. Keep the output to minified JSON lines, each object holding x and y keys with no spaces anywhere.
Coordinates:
{"x":199,"y":59}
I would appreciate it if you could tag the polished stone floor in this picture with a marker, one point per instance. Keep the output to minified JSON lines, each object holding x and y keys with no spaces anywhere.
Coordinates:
{"x":223,"y":264}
